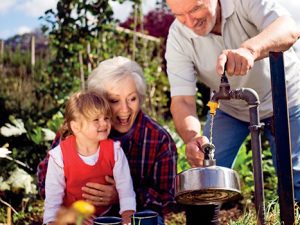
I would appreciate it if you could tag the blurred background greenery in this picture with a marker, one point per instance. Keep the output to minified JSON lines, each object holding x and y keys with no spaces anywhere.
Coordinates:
{"x":69,"y":45}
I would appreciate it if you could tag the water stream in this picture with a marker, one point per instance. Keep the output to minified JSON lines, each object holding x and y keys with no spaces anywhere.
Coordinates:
{"x":211,"y":128}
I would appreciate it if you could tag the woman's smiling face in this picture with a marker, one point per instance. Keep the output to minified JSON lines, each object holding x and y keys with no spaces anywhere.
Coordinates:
{"x":124,"y":101}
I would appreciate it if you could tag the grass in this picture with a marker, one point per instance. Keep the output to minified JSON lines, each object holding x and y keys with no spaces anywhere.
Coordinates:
{"x":235,"y":216}
{"x":232,"y":216}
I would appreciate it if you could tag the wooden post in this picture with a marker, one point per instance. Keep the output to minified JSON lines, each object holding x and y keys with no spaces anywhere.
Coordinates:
{"x":135,"y":29}
{"x":88,"y":49}
{"x":1,"y":53}
{"x":81,"y":71}
{"x":32,"y":54}
{"x":8,"y":215}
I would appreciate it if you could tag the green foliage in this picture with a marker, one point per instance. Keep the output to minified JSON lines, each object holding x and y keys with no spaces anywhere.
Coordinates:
{"x":249,"y":218}
{"x":73,"y":25}
{"x":37,"y":135}
{"x":182,"y":163}
{"x":16,"y":58}
{"x":18,"y":191}
{"x":272,"y":215}
{"x":2,"y":214}
{"x":244,"y":166}
{"x":18,"y":78}
{"x":31,"y":212}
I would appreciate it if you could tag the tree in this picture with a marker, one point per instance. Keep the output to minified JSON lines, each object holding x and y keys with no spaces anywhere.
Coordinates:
{"x":73,"y":25}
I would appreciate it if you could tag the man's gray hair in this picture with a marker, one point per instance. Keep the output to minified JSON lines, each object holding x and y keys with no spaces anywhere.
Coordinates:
{"x":114,"y":70}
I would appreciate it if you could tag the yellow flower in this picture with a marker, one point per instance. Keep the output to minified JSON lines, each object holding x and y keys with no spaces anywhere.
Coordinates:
{"x":83,"y":207}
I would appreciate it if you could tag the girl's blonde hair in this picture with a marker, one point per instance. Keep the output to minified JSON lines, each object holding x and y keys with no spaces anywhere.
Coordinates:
{"x":83,"y":103}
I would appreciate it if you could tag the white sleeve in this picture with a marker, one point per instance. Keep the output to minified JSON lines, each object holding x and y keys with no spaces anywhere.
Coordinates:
{"x":54,"y":185}
{"x":180,"y":67}
{"x":263,"y":12}
{"x":122,"y":177}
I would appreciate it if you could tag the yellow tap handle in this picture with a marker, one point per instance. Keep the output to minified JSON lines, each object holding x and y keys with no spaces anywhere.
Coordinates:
{"x":213,"y":107}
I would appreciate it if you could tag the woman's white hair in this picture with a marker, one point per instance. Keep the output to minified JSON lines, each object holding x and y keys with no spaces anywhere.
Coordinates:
{"x":114,"y":70}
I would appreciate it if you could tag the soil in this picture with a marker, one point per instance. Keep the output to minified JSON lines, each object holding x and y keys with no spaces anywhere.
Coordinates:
{"x":228,"y":213}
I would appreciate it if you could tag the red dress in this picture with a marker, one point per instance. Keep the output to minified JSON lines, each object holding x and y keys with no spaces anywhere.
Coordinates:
{"x":78,"y":173}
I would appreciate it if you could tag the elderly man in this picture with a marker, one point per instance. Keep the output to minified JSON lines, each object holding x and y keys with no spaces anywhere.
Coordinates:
{"x":210,"y":36}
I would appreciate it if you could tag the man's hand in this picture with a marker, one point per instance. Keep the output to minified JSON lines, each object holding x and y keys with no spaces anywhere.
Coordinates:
{"x":101,"y":194}
{"x":194,"y":152}
{"x":238,"y":61}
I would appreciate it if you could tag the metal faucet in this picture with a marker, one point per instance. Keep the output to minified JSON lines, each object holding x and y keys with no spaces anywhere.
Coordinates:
{"x":251,"y":97}
{"x":224,"y":90}
{"x":222,"y":94}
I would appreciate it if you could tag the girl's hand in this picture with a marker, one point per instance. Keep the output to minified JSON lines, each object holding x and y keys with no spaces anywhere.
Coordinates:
{"x":126,"y":217}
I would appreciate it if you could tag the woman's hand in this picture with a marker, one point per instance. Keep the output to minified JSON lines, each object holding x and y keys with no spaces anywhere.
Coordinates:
{"x":101,"y":194}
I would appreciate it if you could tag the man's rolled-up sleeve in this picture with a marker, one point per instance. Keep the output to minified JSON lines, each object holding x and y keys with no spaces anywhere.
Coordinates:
{"x":180,"y":68}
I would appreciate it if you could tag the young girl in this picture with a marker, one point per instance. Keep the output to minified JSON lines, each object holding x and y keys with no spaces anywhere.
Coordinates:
{"x":86,"y":155}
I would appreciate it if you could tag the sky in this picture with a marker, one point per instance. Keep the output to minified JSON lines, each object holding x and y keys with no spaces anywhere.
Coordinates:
{"x":21,"y":16}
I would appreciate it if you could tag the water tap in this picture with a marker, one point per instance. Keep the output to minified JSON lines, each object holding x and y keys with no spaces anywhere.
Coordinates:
{"x":223,"y":93}
{"x":213,"y":104}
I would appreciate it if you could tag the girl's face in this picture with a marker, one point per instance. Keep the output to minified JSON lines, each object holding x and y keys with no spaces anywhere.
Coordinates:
{"x":125,"y":104}
{"x":96,"y":128}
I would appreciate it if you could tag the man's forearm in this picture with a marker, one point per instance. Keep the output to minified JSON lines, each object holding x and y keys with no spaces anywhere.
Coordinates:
{"x":278,"y":36}
{"x":185,"y":118}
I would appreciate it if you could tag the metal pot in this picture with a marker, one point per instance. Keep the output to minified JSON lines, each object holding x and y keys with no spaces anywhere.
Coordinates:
{"x":207,"y":185}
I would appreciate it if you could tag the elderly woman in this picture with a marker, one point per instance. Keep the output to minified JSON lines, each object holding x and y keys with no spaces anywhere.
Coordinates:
{"x":149,"y":148}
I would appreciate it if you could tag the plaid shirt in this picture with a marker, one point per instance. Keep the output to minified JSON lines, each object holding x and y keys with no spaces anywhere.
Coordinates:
{"x":152,"y":159}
